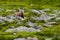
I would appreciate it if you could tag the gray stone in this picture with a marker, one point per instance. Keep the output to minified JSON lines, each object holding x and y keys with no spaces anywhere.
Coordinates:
{"x":20,"y":29}
{"x":10,"y":30}
{"x":35,"y":38}
{"x":48,"y":39}
{"x":1,"y":9}
{"x":30,"y":23}
{"x":46,"y":18}
{"x":51,"y":23}
{"x":19,"y":22}
{"x":47,"y":9}
{"x":34,"y":11}
{"x":39,"y":18}
{"x":30,"y":38}
{"x":47,"y":25}
{"x":39,"y":27}
{"x":31,"y":29}
{"x":57,"y":18}
{"x":1,"y":21}
{"x":34,"y":18}
{"x":42,"y":12}
{"x":10,"y":20}
{"x":20,"y":39}
{"x":55,"y":11}
{"x":10,"y":17}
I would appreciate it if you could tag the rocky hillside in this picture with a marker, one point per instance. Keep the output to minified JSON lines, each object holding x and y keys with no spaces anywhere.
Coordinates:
{"x":41,"y":20}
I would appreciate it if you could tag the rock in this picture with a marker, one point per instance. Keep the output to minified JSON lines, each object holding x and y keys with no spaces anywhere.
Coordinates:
{"x":21,"y":29}
{"x":31,"y":24}
{"x":1,"y":9}
{"x":9,"y":30}
{"x":52,"y":15}
{"x":10,"y":17}
{"x":58,"y":18}
{"x":46,"y":18}
{"x":30,"y":38}
{"x":51,"y":23}
{"x":39,"y":27}
{"x":39,"y":18}
{"x":38,"y":30}
{"x":34,"y":11}
{"x":47,"y":25}
{"x":24,"y":28}
{"x":34,"y":18}
{"x":19,"y":22}
{"x":2,"y":19}
{"x":42,"y":12}
{"x":31,"y":30}
{"x":47,"y":9}
{"x":35,"y":26}
{"x":35,"y":38}
{"x":18,"y":29}
{"x":55,"y":11}
{"x":48,"y":39}
{"x":20,"y":39}
{"x":10,"y":20}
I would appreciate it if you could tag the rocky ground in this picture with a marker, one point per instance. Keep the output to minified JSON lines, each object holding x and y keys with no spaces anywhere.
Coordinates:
{"x":36,"y":21}
{"x":41,"y":20}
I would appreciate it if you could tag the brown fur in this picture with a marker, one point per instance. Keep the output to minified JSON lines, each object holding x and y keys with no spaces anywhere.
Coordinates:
{"x":20,"y":14}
